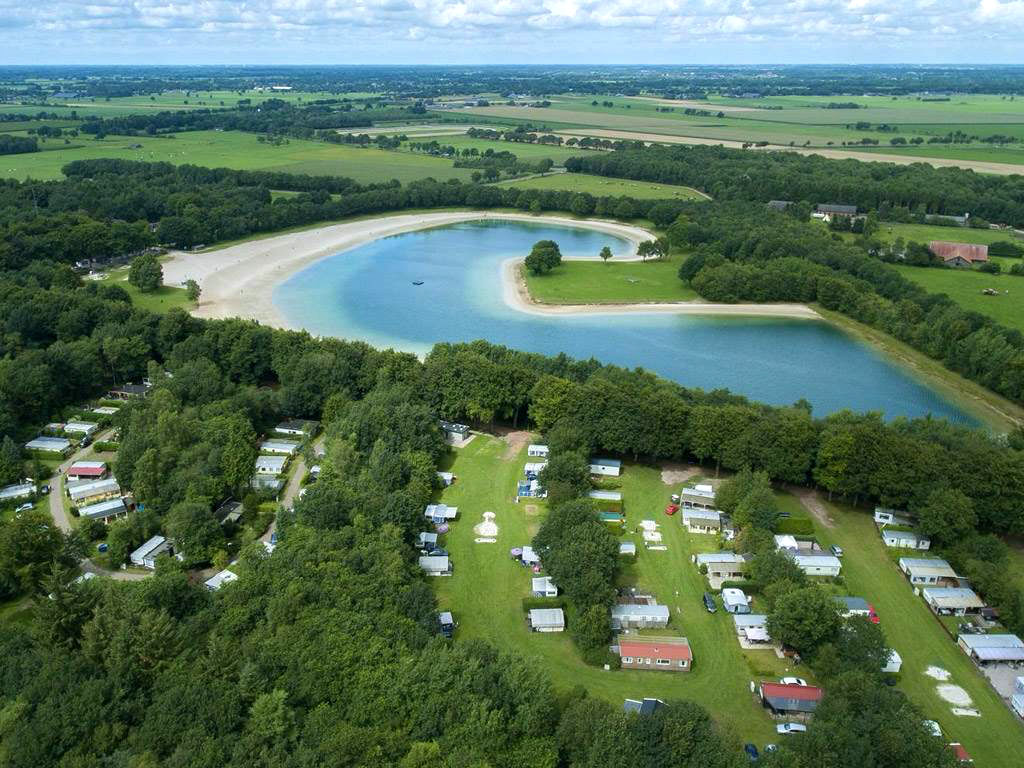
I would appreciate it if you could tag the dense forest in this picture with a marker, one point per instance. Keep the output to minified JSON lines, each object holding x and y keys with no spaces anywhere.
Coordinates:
{"x":737,"y":174}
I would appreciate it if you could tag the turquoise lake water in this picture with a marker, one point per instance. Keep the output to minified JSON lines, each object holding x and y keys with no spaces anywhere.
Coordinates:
{"x":367,"y":293}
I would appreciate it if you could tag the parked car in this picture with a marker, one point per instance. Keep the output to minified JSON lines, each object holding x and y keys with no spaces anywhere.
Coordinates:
{"x":44,"y":490}
{"x":751,"y":751}
{"x":671,"y":509}
{"x":792,"y":681}
{"x":438,"y":552}
{"x":23,"y":508}
{"x":709,"y":602}
{"x":784,"y":728}
{"x":837,"y":551}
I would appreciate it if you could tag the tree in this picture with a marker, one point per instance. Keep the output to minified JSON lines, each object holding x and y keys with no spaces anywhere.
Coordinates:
{"x":543,"y":257}
{"x":195,"y":531}
{"x":11,"y":462}
{"x":566,"y":477}
{"x":606,"y":253}
{"x":804,"y":619}
{"x":145,"y":273}
{"x":946,"y":515}
{"x":192,"y":290}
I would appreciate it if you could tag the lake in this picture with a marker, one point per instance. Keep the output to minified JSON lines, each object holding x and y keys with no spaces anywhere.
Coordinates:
{"x":368,"y":293}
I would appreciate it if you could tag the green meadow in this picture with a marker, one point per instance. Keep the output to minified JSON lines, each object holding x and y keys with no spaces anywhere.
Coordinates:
{"x":234,"y":149}
{"x":486,"y":591}
{"x":623,"y":282}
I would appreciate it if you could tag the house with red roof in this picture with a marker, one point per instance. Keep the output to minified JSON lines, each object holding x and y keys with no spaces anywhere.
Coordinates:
{"x":670,"y":654}
{"x":959,"y":254}
{"x":87,"y":470}
{"x":790,"y":700}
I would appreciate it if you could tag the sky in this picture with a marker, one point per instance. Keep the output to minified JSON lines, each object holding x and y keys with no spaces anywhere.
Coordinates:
{"x":512,"y":31}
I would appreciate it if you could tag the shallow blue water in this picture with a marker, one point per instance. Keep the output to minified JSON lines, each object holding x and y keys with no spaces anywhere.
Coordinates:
{"x":367,"y":293}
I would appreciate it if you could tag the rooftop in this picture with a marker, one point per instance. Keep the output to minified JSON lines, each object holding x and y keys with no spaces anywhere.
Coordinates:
{"x":674,"y":648}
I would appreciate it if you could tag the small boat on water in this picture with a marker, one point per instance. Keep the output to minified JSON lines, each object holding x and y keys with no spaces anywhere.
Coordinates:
{"x":417,"y":282}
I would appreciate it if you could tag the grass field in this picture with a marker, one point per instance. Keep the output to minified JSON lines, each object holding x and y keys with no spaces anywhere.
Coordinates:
{"x":599,"y":186}
{"x":794,"y":120}
{"x":234,"y":149}
{"x":965,"y":287}
{"x":586,"y":282}
{"x":925,"y":233}
{"x":487,"y":587}
{"x":163,"y":299}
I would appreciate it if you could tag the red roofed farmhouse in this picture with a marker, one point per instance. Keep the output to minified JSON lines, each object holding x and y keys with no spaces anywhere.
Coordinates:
{"x":667,"y":653}
{"x":958,"y":254}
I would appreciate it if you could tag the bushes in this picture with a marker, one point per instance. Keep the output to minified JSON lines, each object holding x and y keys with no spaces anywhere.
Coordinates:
{"x":796,"y":526}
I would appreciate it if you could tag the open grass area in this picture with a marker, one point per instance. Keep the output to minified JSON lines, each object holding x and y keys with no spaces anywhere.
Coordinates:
{"x":487,"y":587}
{"x":234,"y":149}
{"x":965,"y":287}
{"x":625,"y":282}
{"x":600,"y":186}
{"x":163,"y":299}
{"x":925,"y":233}
{"x":911,"y":628}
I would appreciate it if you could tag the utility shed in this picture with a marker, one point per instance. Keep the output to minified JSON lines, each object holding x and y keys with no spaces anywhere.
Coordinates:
{"x":547,"y":620}
{"x":606,"y":467}
{"x":436,"y":565}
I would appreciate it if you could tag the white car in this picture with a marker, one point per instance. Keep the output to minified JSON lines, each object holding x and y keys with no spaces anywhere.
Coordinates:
{"x":23,"y":508}
{"x":793,"y":681}
{"x":784,"y":728}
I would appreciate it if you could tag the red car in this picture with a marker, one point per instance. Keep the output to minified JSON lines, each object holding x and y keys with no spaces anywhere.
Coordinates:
{"x":872,"y":615}
{"x":671,"y":509}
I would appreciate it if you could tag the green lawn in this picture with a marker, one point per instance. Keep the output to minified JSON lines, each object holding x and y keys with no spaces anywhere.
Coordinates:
{"x":965,"y":287}
{"x":234,"y":149}
{"x":486,"y":589}
{"x":600,"y":186}
{"x":910,"y":627}
{"x":925,"y":233}
{"x":586,"y":282}
{"x":164,"y":298}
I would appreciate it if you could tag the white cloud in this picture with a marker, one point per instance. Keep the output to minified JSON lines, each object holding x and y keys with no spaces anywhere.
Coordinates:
{"x":584,"y":30}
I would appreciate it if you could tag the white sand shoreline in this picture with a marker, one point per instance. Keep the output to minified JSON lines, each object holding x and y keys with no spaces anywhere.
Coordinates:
{"x":239,"y":280}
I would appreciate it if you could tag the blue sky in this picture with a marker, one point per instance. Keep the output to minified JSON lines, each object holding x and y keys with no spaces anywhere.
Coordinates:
{"x":511,"y":31}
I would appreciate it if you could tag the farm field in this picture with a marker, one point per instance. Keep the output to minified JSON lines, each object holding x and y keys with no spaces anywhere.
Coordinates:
{"x":233,"y":149}
{"x":796,"y":121}
{"x":600,"y":186}
{"x":586,"y":282}
{"x":965,"y":288}
{"x":487,"y":587}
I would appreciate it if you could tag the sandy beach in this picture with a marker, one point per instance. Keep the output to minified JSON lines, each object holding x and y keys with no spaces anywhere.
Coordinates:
{"x":239,"y":281}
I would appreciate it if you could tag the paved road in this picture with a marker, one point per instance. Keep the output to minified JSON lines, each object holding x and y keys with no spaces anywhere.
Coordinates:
{"x":62,"y":521}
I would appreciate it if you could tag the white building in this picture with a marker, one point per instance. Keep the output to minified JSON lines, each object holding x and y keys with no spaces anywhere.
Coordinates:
{"x":952,"y":601}
{"x":543,"y":586}
{"x":901,"y":539}
{"x":735,"y":601}
{"x":537,"y":451}
{"x":86,"y":470}
{"x":700,"y":496}
{"x":439,"y":513}
{"x":81,"y":427}
{"x":927,"y":571}
{"x":639,"y":616}
{"x":818,"y":565}
{"x":49,"y":444}
{"x":218,"y":580}
{"x":270,"y":465}
{"x":547,"y":620}
{"x":106,"y":510}
{"x":988,"y":649}
{"x":752,"y":627}
{"x":893,"y":663}
{"x":627,"y":548}
{"x":702,"y":520}
{"x":16,"y":492}
{"x":286,"y":447}
{"x":446,"y":478}
{"x":606,"y":467}
{"x":146,"y":555}
{"x":436,"y":565}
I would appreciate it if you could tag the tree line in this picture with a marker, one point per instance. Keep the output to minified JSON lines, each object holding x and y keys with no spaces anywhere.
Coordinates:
{"x":736,"y":174}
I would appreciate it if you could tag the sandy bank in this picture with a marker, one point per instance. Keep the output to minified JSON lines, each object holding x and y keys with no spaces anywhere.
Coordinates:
{"x":239,"y":281}
{"x":517,"y":295}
